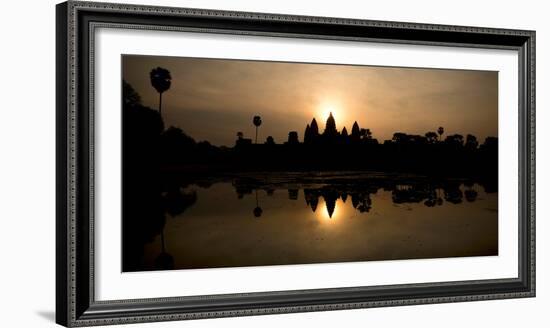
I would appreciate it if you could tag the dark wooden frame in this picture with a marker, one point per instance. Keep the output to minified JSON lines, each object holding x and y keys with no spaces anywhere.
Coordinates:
{"x":75,"y":302}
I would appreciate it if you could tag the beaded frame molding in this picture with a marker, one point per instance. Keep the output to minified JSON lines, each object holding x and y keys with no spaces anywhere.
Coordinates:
{"x":75,"y":30}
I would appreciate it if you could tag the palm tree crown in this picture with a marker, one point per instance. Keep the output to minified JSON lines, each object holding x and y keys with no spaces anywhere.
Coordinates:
{"x":160,"y":79}
{"x":257,"y":121}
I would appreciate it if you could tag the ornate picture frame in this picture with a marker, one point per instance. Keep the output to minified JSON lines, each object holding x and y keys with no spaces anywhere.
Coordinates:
{"x":77,"y":22}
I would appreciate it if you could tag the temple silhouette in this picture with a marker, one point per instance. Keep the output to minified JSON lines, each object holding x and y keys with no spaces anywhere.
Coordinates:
{"x":330,"y":150}
{"x":333,"y":150}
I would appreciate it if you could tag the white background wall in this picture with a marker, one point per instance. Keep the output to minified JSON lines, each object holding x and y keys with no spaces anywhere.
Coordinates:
{"x":27,"y":162}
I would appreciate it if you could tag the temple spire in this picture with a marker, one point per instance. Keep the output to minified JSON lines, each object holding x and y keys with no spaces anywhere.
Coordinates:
{"x":330,"y":127}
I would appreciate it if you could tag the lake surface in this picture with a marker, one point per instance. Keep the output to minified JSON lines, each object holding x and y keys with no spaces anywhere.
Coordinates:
{"x":296,"y":218}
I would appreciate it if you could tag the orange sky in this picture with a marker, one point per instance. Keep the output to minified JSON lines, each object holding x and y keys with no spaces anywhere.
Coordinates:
{"x":213,"y":99}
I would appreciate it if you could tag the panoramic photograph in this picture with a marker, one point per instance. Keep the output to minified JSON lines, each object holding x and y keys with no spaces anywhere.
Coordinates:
{"x":234,"y":163}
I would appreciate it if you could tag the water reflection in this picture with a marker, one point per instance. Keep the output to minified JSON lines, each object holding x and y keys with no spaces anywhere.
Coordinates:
{"x":257,"y":210}
{"x":430,"y":194}
{"x":281,"y":218}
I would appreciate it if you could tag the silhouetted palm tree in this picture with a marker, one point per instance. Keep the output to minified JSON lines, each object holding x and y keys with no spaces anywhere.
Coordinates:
{"x":161,"y":81}
{"x":440,"y":131}
{"x":257,"y":121}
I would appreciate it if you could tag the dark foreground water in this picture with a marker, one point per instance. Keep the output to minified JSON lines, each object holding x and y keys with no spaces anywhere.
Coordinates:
{"x":277,"y":219}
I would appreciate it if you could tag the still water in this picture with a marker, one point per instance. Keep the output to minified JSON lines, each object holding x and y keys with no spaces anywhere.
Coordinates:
{"x":276,"y":219}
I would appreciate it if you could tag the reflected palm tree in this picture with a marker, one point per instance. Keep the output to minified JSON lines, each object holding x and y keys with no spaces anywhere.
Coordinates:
{"x":164,"y":261}
{"x":257,"y":210}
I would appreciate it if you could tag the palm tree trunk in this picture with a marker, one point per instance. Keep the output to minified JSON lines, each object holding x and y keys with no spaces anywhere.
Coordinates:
{"x":256,"y":135}
{"x":160,"y":104}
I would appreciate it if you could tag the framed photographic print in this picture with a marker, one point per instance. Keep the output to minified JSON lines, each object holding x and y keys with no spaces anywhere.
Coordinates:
{"x":215,"y":163}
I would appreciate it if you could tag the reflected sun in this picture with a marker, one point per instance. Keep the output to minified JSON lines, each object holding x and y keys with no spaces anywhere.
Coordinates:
{"x":327,"y":212}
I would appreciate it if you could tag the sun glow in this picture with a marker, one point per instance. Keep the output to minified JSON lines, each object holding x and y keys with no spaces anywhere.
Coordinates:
{"x":328,"y":213}
{"x":338,"y":112}
{"x":325,"y":113}
{"x":325,"y":110}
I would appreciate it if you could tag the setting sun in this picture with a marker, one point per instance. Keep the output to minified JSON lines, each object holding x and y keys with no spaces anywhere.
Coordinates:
{"x":326,"y":110}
